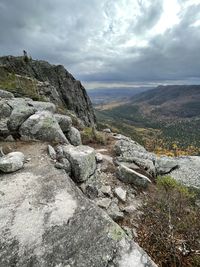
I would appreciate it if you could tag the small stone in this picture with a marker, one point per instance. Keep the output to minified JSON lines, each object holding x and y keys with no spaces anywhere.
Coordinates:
{"x":99,"y":157}
{"x":12,"y":162}
{"x":130,"y":209}
{"x":64,"y":164}
{"x":114,"y":212}
{"x":59,"y":152}
{"x":91,"y":191}
{"x":107,"y":130}
{"x":106,"y":190}
{"x":120,"y":194}
{"x":104,"y":203}
{"x":52,"y":152}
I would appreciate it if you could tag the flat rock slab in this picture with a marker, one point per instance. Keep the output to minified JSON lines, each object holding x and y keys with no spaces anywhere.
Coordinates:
{"x":188,"y":172}
{"x":83,"y":161}
{"x":45,"y":221}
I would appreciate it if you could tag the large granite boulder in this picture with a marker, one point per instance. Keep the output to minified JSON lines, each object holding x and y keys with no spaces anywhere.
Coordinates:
{"x":18,"y":116}
{"x":74,"y":137}
{"x":42,"y":126}
{"x":45,"y":221}
{"x":5,"y":94}
{"x":12,"y":162}
{"x":40,"y":106}
{"x":64,"y":121}
{"x":127,"y":148}
{"x":130,"y":176}
{"x":83,"y":161}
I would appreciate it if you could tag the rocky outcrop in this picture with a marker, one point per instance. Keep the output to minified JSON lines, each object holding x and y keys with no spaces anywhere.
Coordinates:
{"x":46,"y":221}
{"x":39,"y":79}
{"x":135,"y":160}
{"x":25,"y":119}
{"x":42,"y":126}
{"x":133,"y":156}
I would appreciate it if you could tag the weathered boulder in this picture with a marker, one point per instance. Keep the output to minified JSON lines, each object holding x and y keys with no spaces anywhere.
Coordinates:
{"x":11,"y":162}
{"x":5,"y":94}
{"x":40,"y":106}
{"x":82,"y":159}
{"x":128,"y":148}
{"x":74,"y":136}
{"x":46,"y":221}
{"x":129,"y":151}
{"x":130,"y":176}
{"x":5,"y":111}
{"x":64,"y":121}
{"x":165,"y":165}
{"x":42,"y":126}
{"x":19,"y":101}
{"x":18,"y":116}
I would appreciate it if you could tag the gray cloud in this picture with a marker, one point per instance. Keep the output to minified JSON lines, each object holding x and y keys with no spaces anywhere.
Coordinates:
{"x":105,"y":41}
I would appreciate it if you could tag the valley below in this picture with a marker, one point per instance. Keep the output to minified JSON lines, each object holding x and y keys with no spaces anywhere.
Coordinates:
{"x":166,"y":120}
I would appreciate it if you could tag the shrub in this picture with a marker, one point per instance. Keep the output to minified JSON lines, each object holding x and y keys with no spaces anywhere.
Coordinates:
{"x":170,"y":225}
{"x":91,"y":136}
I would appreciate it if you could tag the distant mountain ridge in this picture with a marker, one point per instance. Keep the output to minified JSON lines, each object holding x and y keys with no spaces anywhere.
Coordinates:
{"x":182,"y":101}
{"x":106,"y":95}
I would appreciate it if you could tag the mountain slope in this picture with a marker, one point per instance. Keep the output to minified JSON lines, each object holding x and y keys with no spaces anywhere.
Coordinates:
{"x":179,"y":101}
{"x":172,"y":110}
{"x":41,"y":80}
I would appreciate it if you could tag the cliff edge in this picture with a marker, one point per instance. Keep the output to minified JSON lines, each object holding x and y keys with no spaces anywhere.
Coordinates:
{"x":40,"y":80}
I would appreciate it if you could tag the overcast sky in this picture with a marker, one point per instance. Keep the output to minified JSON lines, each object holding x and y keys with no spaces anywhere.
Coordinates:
{"x":108,"y":43}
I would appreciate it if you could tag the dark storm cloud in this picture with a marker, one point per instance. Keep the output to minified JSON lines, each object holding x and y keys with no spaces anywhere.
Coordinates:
{"x":105,"y":41}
